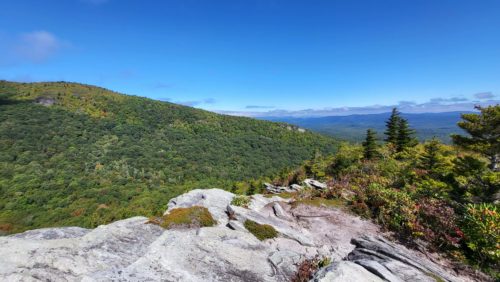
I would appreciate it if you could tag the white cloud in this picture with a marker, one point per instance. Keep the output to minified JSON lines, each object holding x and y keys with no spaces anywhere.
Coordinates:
{"x":259,"y":107}
{"x":435,"y":105}
{"x":484,"y":95}
{"x":31,"y":47}
{"x":37,"y":46}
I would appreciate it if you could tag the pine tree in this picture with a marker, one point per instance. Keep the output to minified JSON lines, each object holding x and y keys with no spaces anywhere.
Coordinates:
{"x":392,"y":127}
{"x":430,"y":159}
{"x":370,"y":144}
{"x":484,"y":134}
{"x":405,"y":134}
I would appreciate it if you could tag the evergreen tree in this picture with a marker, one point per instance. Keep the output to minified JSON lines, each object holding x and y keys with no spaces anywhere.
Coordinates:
{"x":405,"y":134}
{"x":392,"y":127}
{"x":484,"y":131}
{"x":430,"y":159}
{"x":370,"y":144}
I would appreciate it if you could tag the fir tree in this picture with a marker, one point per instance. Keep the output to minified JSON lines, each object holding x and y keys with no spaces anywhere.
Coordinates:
{"x":370,"y":145}
{"x":430,"y":160}
{"x":392,"y":127}
{"x":484,"y":134}
{"x":405,"y":134}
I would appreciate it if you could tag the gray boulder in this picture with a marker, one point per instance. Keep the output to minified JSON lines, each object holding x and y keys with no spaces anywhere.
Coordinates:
{"x":296,"y":187}
{"x":311,"y":183}
{"x":273,"y":189}
{"x":279,"y":212}
{"x":394,"y":262}
{"x":215,"y":200}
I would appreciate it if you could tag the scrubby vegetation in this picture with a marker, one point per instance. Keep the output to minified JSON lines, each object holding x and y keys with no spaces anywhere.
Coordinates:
{"x":261,"y":231}
{"x":192,"y":217}
{"x":444,"y":195}
{"x":241,"y":201}
{"x":307,"y":268}
{"x":95,"y":156}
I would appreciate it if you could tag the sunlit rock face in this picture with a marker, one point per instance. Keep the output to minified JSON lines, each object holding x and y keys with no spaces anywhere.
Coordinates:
{"x":135,"y":250}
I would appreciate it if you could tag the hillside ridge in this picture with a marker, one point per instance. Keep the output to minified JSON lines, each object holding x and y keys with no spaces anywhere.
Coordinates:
{"x":74,"y":154}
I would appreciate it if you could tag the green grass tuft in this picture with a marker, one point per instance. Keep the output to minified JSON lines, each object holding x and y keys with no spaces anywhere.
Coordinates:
{"x":241,"y":201}
{"x":261,"y":231}
{"x":191,"y":217}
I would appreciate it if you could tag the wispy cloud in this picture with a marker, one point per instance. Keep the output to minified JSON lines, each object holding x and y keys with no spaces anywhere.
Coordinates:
{"x":484,"y":95}
{"x":38,"y":46}
{"x":259,"y":107}
{"x":447,"y":100}
{"x":31,"y":47}
{"x":432,"y":106}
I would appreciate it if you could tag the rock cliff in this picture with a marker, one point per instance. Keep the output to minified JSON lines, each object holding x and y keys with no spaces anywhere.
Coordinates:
{"x":133,"y":250}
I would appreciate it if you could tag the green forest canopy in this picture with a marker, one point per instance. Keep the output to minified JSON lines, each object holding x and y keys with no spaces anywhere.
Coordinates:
{"x":74,"y":154}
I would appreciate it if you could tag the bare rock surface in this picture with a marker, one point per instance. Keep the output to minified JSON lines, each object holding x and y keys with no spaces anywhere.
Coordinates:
{"x":311,"y":183}
{"x":132,"y":250}
{"x":345,"y":271}
{"x":394,"y":262}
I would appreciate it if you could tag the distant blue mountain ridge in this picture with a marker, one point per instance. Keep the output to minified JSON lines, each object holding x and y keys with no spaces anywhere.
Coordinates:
{"x":353,"y":127}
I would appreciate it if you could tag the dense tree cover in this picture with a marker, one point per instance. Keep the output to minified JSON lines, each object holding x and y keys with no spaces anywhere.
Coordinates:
{"x":73,"y":154}
{"x":445,"y":195}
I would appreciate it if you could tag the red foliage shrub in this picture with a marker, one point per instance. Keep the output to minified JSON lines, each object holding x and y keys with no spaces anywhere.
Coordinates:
{"x":437,"y":223}
{"x":305,"y":271}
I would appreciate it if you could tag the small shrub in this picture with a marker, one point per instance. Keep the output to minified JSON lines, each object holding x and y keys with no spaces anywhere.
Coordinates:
{"x":305,"y":271}
{"x":392,"y":208}
{"x":481,"y":227}
{"x":325,"y":261}
{"x":191,"y":217}
{"x":437,"y":223}
{"x":360,"y":208}
{"x":261,"y":231}
{"x":307,"y":268}
{"x":241,"y":201}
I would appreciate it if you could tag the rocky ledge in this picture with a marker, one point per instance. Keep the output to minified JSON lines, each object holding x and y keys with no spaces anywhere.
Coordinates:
{"x":133,"y":250}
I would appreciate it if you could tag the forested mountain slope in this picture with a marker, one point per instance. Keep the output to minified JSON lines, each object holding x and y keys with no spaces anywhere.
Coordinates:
{"x":73,"y":154}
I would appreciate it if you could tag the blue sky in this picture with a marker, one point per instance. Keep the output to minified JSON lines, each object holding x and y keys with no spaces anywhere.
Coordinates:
{"x":251,"y":56}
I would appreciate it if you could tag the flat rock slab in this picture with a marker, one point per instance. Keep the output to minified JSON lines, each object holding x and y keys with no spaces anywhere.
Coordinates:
{"x":345,"y":271}
{"x":132,"y":250}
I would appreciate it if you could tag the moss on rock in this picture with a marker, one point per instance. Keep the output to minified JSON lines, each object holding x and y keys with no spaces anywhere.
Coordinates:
{"x":192,"y":217}
{"x":261,"y":231}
